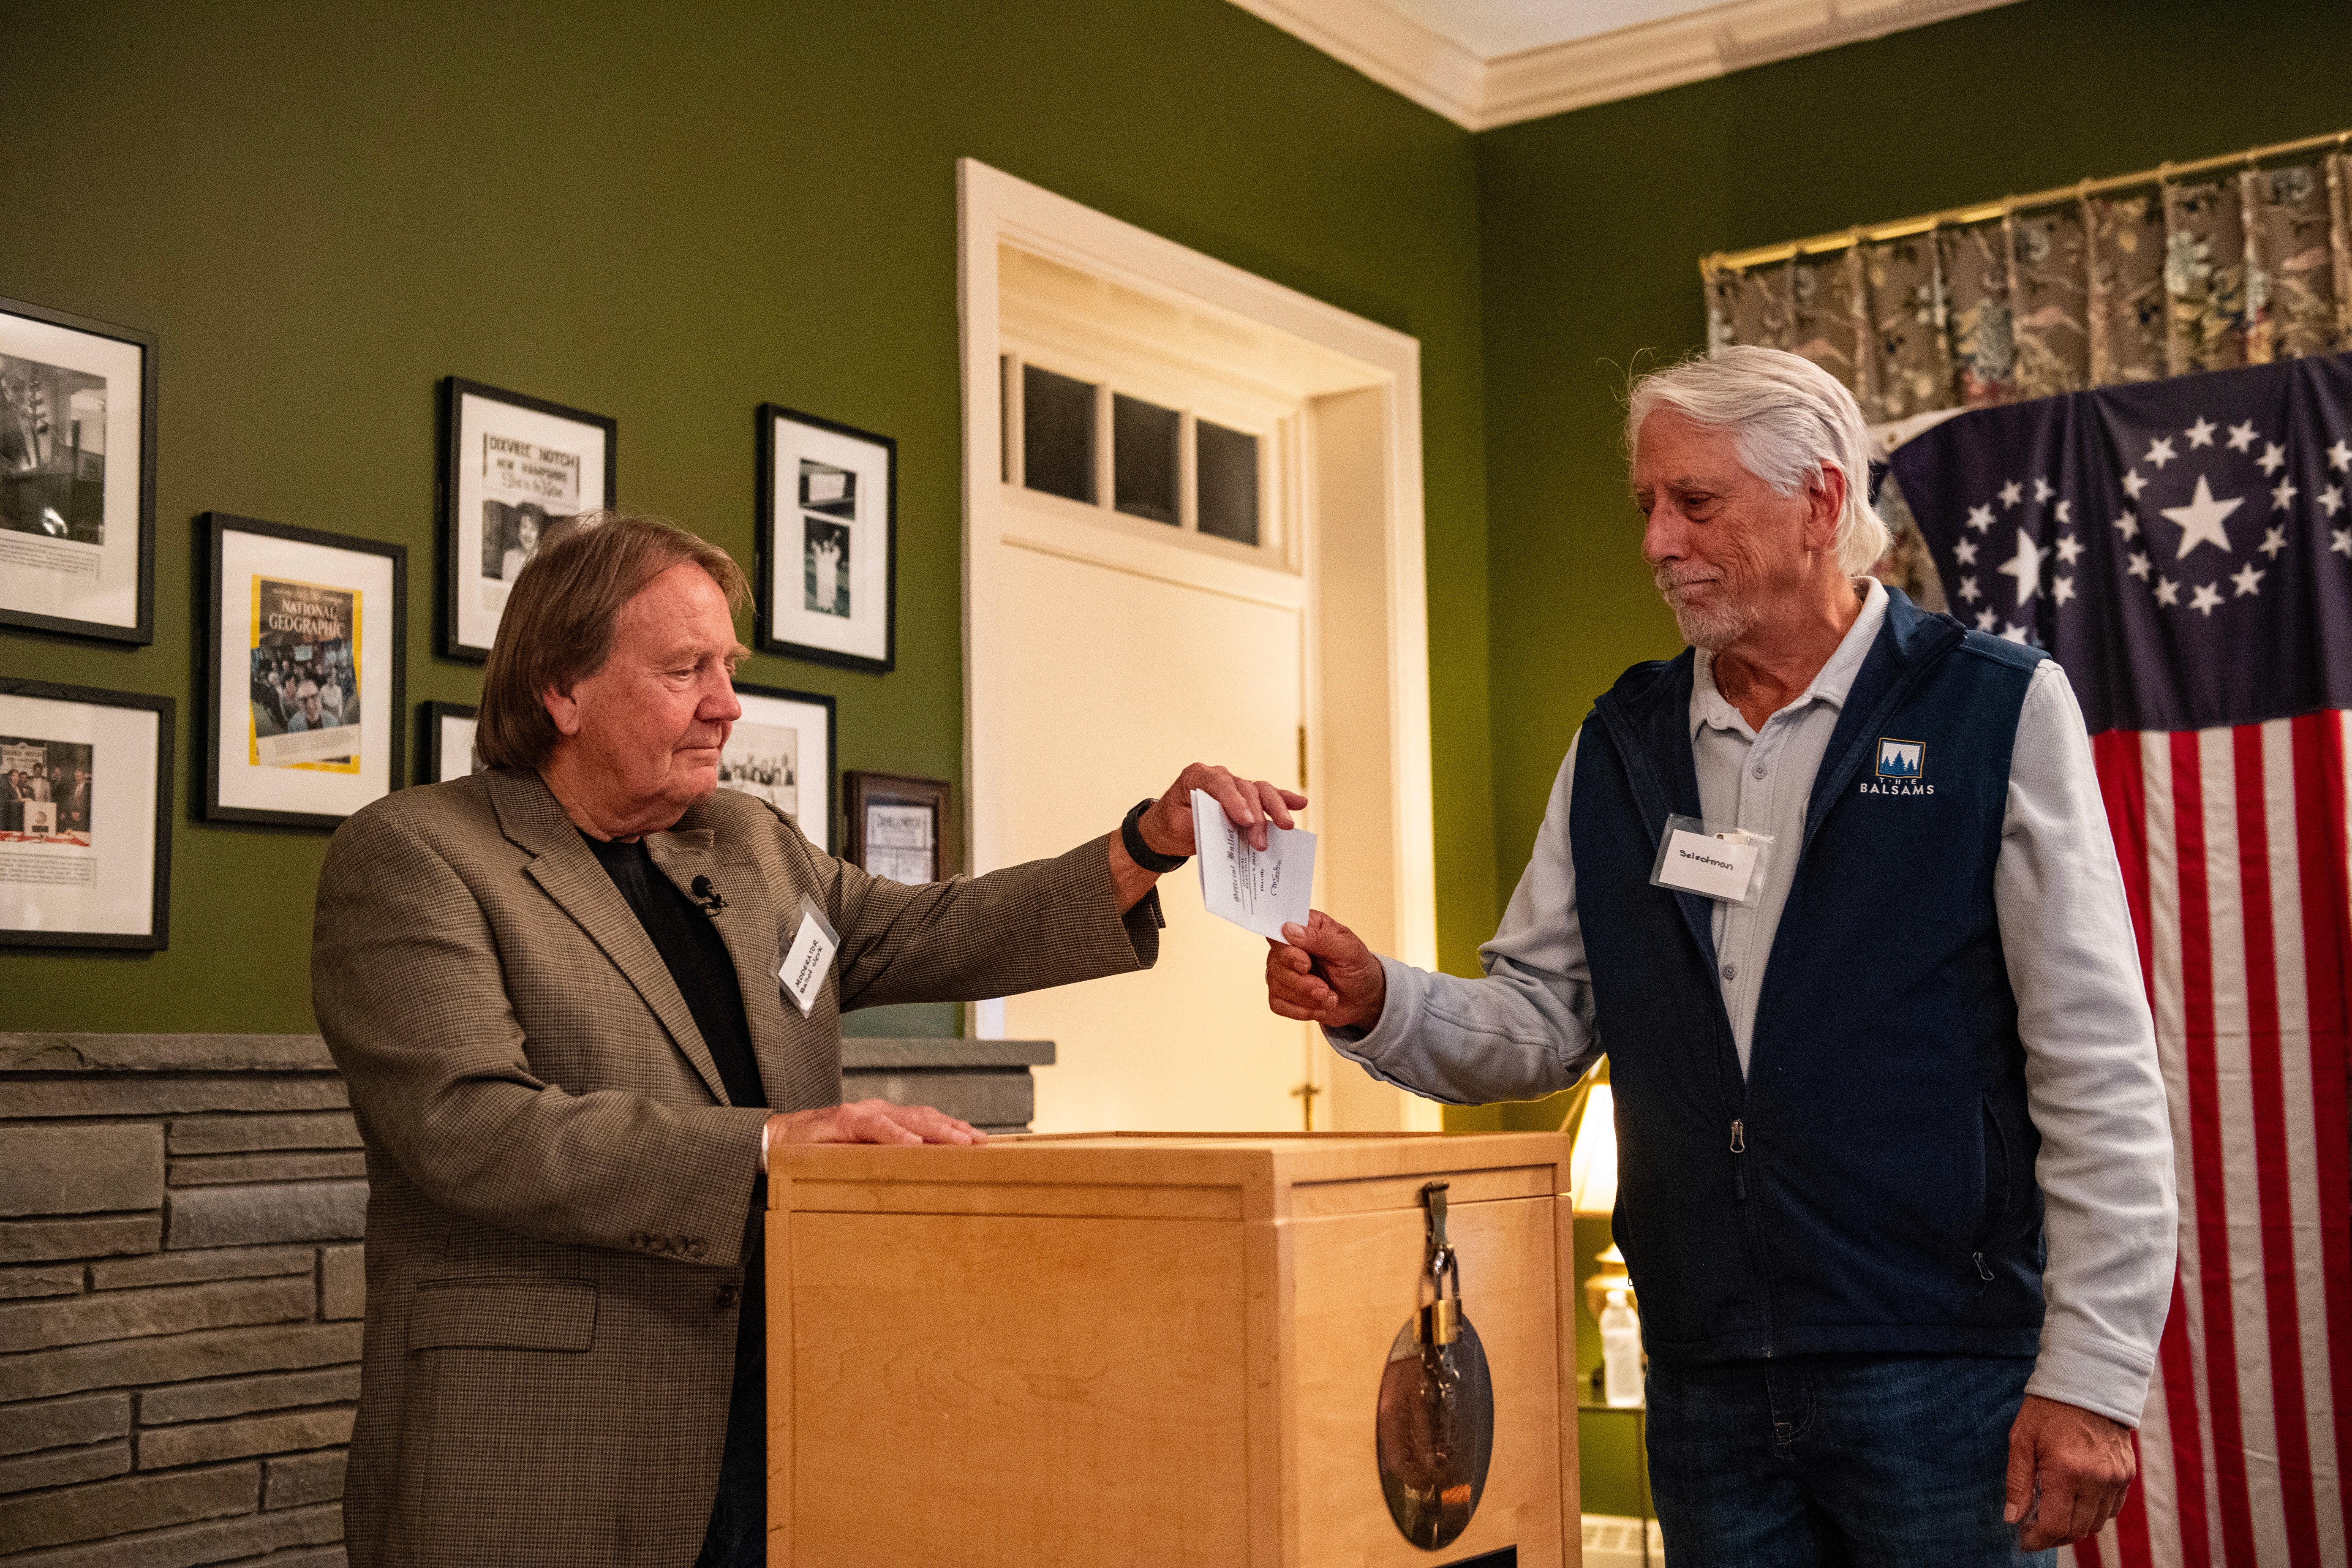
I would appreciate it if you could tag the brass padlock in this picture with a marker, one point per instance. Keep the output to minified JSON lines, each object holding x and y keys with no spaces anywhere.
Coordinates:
{"x":1441,"y":1322}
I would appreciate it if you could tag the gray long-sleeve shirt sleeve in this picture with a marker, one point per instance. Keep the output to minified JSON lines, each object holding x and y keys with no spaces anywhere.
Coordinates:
{"x":2093,"y":1085}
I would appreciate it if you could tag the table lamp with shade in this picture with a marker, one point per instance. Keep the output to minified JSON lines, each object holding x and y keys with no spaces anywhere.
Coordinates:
{"x":1592,"y":1184}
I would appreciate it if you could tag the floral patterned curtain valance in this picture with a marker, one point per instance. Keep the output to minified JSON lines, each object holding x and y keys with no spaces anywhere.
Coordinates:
{"x":2228,"y":262}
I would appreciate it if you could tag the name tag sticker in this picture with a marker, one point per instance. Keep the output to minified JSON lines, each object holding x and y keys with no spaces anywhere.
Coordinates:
{"x":1715,"y":863}
{"x":810,"y":955}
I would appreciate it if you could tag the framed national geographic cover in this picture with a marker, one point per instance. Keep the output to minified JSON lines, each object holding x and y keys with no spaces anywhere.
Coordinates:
{"x":902,"y":828}
{"x":303,"y":676}
{"x":782,"y":751}
{"x":510,"y":465}
{"x":445,"y":742}
{"x":85,"y":817}
{"x":828,"y":568}
{"x":77,"y":475}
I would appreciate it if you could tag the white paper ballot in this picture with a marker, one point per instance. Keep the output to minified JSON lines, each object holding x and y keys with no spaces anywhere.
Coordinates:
{"x":1256,"y":889}
{"x":1700,"y":863}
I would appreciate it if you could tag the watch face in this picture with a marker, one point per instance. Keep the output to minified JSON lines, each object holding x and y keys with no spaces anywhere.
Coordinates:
{"x":1435,"y":1425}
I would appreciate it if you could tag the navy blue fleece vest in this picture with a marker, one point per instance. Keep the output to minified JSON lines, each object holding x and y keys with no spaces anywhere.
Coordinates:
{"x":1869,"y":1187}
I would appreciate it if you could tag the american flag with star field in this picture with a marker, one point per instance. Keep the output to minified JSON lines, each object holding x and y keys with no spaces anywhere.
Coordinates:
{"x":2183,"y":548}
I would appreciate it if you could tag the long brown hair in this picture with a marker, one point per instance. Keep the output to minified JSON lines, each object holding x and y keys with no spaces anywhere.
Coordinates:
{"x":558,"y":624}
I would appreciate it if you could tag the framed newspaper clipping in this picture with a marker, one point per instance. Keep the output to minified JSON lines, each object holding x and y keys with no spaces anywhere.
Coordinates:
{"x":77,"y":475}
{"x":304,"y":705}
{"x":511,"y":465}
{"x":828,"y":571}
{"x":902,"y":828}
{"x":85,"y":817}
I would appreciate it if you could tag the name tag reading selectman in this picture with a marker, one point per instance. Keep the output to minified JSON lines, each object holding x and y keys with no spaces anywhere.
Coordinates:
{"x":808,"y":958}
{"x":1715,"y":863}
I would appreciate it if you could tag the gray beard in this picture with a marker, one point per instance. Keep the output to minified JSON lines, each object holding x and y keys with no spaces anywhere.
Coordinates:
{"x":1715,"y":627}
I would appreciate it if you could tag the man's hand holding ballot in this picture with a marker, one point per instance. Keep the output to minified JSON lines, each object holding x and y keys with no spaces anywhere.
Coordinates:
{"x":1168,"y":825}
{"x":1325,"y":974}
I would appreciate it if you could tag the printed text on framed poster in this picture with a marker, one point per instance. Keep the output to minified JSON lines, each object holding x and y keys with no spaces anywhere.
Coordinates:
{"x":85,"y":817}
{"x":511,"y":466}
{"x":304,"y":672}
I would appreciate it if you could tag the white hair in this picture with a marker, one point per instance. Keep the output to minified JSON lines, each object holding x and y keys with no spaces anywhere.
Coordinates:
{"x":1787,"y":417}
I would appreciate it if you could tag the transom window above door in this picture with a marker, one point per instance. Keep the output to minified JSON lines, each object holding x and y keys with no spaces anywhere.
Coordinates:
{"x":1133,"y":447}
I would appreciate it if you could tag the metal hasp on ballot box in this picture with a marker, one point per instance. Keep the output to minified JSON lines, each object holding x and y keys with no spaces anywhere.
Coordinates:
{"x":1436,"y":1422}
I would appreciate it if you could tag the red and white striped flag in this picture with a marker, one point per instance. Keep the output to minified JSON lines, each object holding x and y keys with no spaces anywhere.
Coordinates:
{"x":2236,"y":846}
{"x":2184,"y":549}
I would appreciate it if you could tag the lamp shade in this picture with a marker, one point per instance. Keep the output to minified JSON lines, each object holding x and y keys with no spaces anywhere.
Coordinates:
{"x":1592,"y":1163}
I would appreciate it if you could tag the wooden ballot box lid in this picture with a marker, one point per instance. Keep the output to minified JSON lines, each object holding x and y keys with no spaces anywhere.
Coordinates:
{"x":1151,"y":1348}
{"x":1196,"y":1176}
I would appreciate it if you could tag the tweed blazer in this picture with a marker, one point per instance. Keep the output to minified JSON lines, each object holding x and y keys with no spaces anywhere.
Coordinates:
{"x":560,"y":1191}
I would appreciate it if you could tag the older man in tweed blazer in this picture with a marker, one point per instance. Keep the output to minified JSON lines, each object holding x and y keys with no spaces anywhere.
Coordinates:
{"x":563,"y":1178}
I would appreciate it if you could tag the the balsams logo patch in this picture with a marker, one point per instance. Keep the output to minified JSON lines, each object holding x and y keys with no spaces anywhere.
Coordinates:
{"x":1901,"y":759}
{"x":1902,"y":769}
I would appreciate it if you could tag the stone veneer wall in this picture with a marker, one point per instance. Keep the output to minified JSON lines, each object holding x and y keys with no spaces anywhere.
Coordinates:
{"x":181,"y":1285}
{"x":179,"y":1299}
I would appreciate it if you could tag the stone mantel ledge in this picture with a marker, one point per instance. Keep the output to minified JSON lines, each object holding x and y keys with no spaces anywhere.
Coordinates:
{"x":39,"y":1051}
{"x":46,"y":1052}
{"x":872,"y":1054}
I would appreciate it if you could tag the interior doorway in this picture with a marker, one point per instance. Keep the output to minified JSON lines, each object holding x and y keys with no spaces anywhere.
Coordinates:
{"x":1192,"y":532}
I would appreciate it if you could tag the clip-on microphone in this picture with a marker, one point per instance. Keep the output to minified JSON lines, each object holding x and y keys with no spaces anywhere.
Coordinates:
{"x":707,"y":896}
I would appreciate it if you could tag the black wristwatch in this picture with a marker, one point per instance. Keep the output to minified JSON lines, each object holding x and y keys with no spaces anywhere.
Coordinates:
{"x":1144,"y":854}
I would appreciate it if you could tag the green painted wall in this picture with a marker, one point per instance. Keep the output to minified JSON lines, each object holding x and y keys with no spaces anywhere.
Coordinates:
{"x":668,"y":214}
{"x":672,"y":214}
{"x":1594,"y":223}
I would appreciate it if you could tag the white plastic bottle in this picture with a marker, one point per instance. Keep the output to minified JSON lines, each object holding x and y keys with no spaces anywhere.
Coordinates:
{"x":1620,"y":1351}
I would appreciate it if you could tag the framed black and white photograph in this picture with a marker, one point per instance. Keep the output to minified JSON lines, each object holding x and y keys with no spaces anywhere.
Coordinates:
{"x":828,"y":578}
{"x":510,"y":465}
{"x":445,"y":742}
{"x":85,"y":817}
{"x":77,"y":475}
{"x":902,"y":828}
{"x":781,"y":751}
{"x":303,"y":674}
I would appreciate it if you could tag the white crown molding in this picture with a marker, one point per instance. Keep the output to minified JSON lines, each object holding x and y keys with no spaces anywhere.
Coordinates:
{"x":1479,"y":94}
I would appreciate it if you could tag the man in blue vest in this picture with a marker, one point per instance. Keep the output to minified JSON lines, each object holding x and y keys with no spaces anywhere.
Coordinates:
{"x":1834,"y":892}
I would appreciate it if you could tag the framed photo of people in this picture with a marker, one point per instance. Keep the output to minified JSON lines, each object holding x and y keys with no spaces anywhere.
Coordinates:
{"x":304,"y":711}
{"x":85,"y":817}
{"x":828,"y":576}
{"x":901,"y":828}
{"x":510,"y":465}
{"x":782,"y":751}
{"x":445,"y":742}
{"x":77,"y":475}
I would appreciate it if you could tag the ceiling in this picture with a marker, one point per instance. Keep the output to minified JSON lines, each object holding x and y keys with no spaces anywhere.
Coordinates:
{"x":1491,"y":28}
{"x":1483,"y":63}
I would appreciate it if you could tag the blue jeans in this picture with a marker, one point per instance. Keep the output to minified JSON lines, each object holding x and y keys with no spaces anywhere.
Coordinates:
{"x":1835,"y":1460}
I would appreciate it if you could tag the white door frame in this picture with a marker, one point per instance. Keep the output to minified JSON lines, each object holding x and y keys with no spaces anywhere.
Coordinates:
{"x":994,"y":208}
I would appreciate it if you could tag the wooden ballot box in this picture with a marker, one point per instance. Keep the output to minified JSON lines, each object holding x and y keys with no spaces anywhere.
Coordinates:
{"x":1148,"y":1348}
